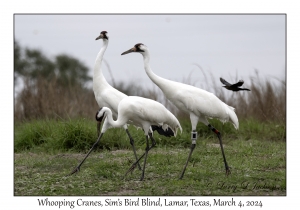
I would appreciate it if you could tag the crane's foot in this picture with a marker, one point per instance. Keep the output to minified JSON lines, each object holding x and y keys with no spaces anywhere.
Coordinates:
{"x":228,"y":171}
{"x":133,"y":167}
{"x":181,"y":176}
{"x":130,"y":169}
{"x":77,"y":169}
{"x":139,"y":167}
{"x":142,"y":178}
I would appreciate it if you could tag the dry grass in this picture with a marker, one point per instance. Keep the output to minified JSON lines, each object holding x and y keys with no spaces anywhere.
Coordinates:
{"x":47,"y":99}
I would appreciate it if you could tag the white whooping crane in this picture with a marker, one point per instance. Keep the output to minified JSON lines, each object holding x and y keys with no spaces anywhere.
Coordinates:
{"x":200,"y":104}
{"x":143,"y":113}
{"x":105,"y":94}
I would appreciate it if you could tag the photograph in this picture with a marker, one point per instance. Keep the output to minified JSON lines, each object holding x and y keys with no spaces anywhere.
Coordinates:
{"x":150,"y":109}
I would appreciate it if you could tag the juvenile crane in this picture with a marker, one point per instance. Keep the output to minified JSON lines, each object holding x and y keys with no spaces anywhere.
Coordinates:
{"x":143,"y":113}
{"x":199,"y":103}
{"x":233,"y":87}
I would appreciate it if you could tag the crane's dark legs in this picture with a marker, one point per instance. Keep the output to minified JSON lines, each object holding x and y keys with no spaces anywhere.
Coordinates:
{"x":98,"y":128}
{"x":193,"y":145}
{"x":146,"y":153}
{"x":221,"y":144}
{"x":133,"y":147}
{"x":77,"y":169}
{"x":152,"y":140}
{"x":130,"y":138}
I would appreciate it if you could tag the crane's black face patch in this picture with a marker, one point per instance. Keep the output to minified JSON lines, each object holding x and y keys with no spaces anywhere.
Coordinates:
{"x":99,"y":119}
{"x":138,"y":47}
{"x":104,"y":33}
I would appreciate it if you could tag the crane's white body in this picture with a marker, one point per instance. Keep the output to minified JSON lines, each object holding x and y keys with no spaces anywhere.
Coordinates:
{"x":200,"y":104}
{"x":143,"y":113}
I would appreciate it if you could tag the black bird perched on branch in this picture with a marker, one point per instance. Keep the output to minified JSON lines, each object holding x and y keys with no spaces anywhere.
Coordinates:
{"x":233,"y":87}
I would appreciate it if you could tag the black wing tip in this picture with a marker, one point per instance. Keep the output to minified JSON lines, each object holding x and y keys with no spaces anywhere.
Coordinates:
{"x":167,"y":133}
{"x":222,"y":80}
{"x":225,"y":82}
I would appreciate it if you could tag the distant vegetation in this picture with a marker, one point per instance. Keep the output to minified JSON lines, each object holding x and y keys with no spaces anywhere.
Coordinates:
{"x":56,"y":89}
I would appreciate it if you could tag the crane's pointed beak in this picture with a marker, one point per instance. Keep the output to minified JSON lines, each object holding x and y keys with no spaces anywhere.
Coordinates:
{"x":129,"y":51}
{"x":99,"y":37}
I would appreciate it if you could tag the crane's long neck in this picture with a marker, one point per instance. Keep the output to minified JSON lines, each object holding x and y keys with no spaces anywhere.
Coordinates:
{"x":121,"y":121}
{"x":159,"y":81}
{"x":98,"y":75}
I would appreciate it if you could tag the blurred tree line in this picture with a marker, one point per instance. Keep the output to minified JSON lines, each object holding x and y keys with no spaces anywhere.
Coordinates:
{"x":51,"y":87}
{"x":33,"y":64}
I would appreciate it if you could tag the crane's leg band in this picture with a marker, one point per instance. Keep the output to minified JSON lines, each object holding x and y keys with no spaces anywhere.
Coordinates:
{"x":194,"y":136}
{"x":213,"y":129}
{"x":193,"y":145}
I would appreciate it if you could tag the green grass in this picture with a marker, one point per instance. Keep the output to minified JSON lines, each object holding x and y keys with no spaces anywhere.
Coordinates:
{"x":46,"y":151}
